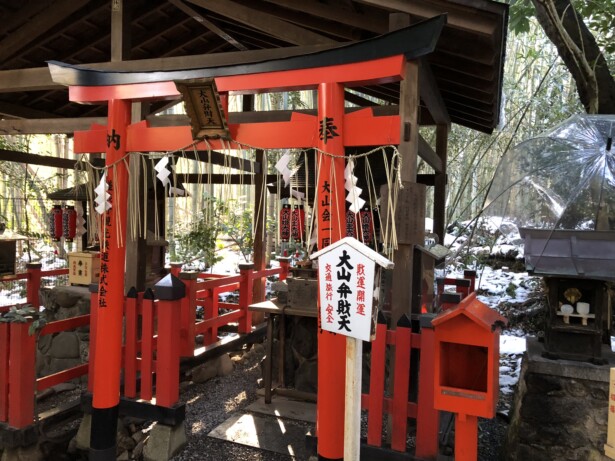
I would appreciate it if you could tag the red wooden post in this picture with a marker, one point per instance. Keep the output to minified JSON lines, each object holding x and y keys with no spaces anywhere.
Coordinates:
{"x":470,"y":275}
{"x":170,"y":290}
{"x":466,"y":436}
{"x":401,"y":382}
{"x":245,"y":296}
{"x":33,"y":284}
{"x":285,"y":266}
{"x":93,"y":328}
{"x":130,"y":346}
{"x":4,"y":371}
{"x":147,"y":345}
{"x":106,"y":395}
{"x":210,"y":304}
{"x":188,"y":313}
{"x":331,"y":214}
{"x":22,"y":378}
{"x":427,"y":419}
{"x":376,"y":384}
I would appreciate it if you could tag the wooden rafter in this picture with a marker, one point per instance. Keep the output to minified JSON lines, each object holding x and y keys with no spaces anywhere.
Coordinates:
{"x":377,"y":24}
{"x":208,"y":24}
{"x":37,"y":27}
{"x":458,"y":16}
{"x":264,"y":22}
{"x":430,"y":94}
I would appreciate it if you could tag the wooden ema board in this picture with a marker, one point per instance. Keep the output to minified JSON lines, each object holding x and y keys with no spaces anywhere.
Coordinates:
{"x":409,"y":216}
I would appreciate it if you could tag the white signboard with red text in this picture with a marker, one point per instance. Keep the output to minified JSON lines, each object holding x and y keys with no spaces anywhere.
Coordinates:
{"x":346,"y":272}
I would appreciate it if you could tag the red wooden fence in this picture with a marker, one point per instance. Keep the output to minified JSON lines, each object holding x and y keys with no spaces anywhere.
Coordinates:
{"x":398,"y":405}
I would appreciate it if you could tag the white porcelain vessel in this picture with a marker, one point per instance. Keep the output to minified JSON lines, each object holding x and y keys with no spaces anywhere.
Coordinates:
{"x":582,"y":308}
{"x":567,"y":309}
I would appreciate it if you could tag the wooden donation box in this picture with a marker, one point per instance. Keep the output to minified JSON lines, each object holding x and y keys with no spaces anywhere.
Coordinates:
{"x":467,"y":352}
{"x":83,"y":268}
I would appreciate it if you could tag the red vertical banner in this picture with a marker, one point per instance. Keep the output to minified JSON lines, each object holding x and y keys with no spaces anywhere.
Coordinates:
{"x":331,"y":228}
{"x":112,"y":262}
{"x":285,"y":215}
{"x":297,"y":223}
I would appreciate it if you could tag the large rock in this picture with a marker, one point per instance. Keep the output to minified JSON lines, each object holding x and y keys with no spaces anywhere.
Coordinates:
{"x":165,"y":442}
{"x":225,"y":365}
{"x":205,"y":372}
{"x":68,"y":296}
{"x":65,"y":345}
{"x":306,"y":376}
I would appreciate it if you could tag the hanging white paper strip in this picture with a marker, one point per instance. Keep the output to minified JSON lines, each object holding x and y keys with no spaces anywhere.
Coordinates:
{"x":102,"y":195}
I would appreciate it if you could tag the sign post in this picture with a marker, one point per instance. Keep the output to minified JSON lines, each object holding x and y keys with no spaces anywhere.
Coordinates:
{"x":346,"y":276}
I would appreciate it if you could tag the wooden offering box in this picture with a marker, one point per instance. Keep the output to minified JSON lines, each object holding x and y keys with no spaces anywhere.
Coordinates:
{"x":83,"y":268}
{"x":467,"y":358}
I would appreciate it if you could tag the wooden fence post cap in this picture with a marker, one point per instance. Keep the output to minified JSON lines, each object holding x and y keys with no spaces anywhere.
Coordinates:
{"x":425,"y":320}
{"x":246,"y":266}
{"x":170,"y":288}
{"x":34,"y":265}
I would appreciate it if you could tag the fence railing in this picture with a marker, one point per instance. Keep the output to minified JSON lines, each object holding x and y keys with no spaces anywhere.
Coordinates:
{"x":398,"y":406}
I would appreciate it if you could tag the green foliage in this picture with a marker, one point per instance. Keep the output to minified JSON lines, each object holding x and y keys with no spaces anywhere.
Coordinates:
{"x":195,"y":241}
{"x":236,"y":224}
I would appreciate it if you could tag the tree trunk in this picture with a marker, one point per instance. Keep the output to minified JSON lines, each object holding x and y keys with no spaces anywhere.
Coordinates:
{"x":578,"y":49}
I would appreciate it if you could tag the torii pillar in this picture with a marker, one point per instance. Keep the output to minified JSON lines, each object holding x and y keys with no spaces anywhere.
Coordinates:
{"x":110,"y":309}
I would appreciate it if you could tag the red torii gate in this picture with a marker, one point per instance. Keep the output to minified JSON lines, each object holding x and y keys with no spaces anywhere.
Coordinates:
{"x":375,"y":61}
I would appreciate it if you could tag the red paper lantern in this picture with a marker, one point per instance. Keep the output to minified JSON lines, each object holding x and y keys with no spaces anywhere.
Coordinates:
{"x":366,"y":225}
{"x":69,"y":223}
{"x":297,"y":223}
{"x":55,"y":223}
{"x":285,"y":223}
{"x":351,"y":224}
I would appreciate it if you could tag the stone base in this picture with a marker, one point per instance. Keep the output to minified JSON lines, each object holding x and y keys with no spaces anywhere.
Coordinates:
{"x":165,"y":442}
{"x":560,"y":409}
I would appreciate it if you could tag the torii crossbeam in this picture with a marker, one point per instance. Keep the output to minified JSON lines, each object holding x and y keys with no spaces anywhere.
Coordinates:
{"x":370,"y":62}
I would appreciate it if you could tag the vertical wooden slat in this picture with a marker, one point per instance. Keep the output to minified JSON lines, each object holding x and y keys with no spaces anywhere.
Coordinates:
{"x":427,"y":416}
{"x":376,"y":384}
{"x":401,"y":383}
{"x":22,"y":379}
{"x":188,"y":313}
{"x":4,"y":371}
{"x":130,"y":349}
{"x":147,"y":345}
{"x":168,"y":350}
{"x":246,"y":293}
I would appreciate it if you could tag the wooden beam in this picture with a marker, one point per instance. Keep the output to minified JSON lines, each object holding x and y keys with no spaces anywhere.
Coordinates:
{"x":439,"y":194}
{"x":49,"y":125}
{"x":427,"y":153}
{"x":460,"y":17}
{"x":431,"y":96}
{"x":198,"y":17}
{"x":265,"y":22}
{"x":16,"y":110}
{"x":35,"y":159}
{"x":37,"y":26}
{"x":332,"y":12}
{"x":39,"y":78}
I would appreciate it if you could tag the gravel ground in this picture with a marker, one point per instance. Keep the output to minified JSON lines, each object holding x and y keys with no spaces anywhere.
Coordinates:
{"x":213,"y":402}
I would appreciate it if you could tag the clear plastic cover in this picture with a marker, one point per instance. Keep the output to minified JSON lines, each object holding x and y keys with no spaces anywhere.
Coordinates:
{"x":562,"y":179}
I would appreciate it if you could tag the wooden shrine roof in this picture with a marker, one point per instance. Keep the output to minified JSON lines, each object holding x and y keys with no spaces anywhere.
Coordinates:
{"x":466,"y":65}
